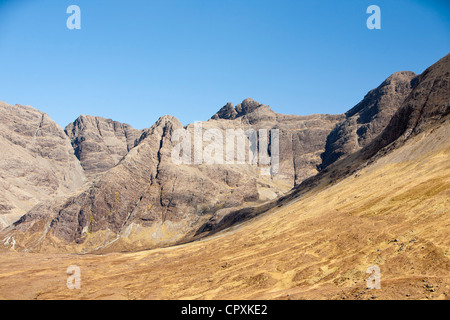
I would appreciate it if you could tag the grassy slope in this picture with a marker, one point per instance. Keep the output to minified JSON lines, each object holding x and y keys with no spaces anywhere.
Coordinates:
{"x":394,"y":213}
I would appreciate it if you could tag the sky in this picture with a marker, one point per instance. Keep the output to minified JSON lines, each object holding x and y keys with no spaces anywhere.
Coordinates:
{"x":136,"y":60}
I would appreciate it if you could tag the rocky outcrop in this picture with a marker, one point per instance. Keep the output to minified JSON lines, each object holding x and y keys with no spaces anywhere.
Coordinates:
{"x":230,"y":113}
{"x":36,"y":163}
{"x":302,"y":138}
{"x":427,"y":104}
{"x":368,"y":118}
{"x":100,"y":143}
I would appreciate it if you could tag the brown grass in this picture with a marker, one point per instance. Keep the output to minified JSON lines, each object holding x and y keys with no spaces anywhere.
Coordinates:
{"x":394,"y":214}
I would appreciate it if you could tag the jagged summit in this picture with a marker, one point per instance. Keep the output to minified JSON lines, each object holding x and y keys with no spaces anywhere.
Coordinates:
{"x":395,"y":86}
{"x":369,"y":117}
{"x":36,"y":162}
{"x":230,"y":112}
{"x":100,"y":143}
{"x":427,"y":104}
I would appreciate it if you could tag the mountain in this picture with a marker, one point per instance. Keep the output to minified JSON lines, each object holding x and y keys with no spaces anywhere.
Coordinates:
{"x":100,"y":143}
{"x":302,"y":139}
{"x":385,"y":205}
{"x":368,"y":118}
{"x":426,"y":107}
{"x":146,"y":199}
{"x":36,"y":163}
{"x":427,"y":104}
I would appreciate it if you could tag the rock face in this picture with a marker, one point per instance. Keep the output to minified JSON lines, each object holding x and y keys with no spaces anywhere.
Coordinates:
{"x":36,"y":163}
{"x":155,"y":193}
{"x":148,"y":200}
{"x":425,"y":109}
{"x":230,"y":113}
{"x":302,"y":139}
{"x":427,"y":104}
{"x":100,"y":143}
{"x":368,"y":118}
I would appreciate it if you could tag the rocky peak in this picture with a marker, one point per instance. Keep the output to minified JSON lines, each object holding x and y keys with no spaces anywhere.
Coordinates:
{"x":36,"y":162}
{"x":168,"y":120}
{"x":369,"y":117}
{"x":427,"y":104}
{"x":226,"y":112}
{"x":244,"y":108}
{"x":397,"y":86}
{"x":100,"y":143}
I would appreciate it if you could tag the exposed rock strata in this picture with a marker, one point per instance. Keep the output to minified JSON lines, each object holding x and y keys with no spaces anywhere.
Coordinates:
{"x":36,"y":161}
{"x":100,"y":143}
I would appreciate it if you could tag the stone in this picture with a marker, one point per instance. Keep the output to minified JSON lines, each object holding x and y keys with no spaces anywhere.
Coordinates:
{"x":37,"y":162}
{"x":368,"y":118}
{"x":100,"y":143}
{"x":142,"y":199}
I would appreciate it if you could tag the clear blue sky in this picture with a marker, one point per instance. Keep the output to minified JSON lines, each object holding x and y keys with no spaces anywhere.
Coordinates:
{"x":134,"y":61}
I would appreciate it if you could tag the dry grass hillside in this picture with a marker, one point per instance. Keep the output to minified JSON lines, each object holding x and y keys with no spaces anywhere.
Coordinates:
{"x":393,"y":213}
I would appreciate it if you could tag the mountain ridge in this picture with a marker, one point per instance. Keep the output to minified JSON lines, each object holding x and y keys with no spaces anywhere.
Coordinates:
{"x":145,"y":201}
